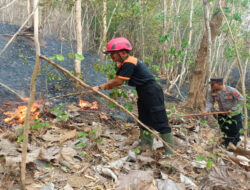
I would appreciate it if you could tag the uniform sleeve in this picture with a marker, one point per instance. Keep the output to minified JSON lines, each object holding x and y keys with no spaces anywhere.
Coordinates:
{"x":126,"y":71}
{"x":210,"y":103}
{"x":239,"y":99}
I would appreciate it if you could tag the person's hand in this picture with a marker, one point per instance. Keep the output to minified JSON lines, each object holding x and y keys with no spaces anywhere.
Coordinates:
{"x":96,"y":88}
{"x":229,"y":111}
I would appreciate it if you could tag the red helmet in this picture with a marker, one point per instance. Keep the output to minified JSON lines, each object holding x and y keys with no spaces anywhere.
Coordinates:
{"x":117,"y":44}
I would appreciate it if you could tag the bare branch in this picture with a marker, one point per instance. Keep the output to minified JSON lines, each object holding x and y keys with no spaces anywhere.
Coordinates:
{"x":6,"y":6}
{"x":14,"y":36}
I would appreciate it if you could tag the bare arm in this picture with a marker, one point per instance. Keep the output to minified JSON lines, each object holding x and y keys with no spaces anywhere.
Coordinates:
{"x":112,"y":83}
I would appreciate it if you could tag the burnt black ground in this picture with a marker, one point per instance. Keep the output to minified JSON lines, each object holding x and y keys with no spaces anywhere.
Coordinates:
{"x":17,"y":75}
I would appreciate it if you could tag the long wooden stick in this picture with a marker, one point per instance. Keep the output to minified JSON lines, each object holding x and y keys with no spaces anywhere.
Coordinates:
{"x":204,"y":114}
{"x":109,"y":99}
{"x":120,"y":106}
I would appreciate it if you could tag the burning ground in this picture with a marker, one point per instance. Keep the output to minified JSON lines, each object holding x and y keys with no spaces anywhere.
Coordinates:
{"x":82,"y":146}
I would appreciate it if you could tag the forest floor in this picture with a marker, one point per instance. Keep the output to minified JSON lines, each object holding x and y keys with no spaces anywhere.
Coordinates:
{"x":92,"y":150}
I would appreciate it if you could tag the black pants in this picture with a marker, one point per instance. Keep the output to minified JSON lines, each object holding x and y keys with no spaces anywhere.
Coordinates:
{"x":230,"y":126}
{"x":151,"y":107}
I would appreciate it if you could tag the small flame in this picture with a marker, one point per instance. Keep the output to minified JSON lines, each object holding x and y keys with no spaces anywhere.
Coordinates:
{"x":19,"y":114}
{"x":87,"y":105}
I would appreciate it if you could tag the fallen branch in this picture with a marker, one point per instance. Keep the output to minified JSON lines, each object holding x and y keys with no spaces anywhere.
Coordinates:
{"x":72,"y":94}
{"x":239,"y":151}
{"x":204,"y":114}
{"x":11,"y":90}
{"x":109,"y":99}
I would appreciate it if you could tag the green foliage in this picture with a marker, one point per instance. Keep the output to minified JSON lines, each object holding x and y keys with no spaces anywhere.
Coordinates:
{"x":237,"y":17}
{"x":48,"y":166}
{"x":60,"y":114}
{"x":199,"y":158}
{"x":79,"y":57}
{"x":20,"y":138}
{"x":39,"y":124}
{"x":82,"y":134}
{"x":83,"y":154}
{"x":58,"y":57}
{"x":99,"y":140}
{"x":82,"y":145}
{"x":165,"y":38}
{"x":25,"y":58}
{"x":137,"y":151}
{"x":209,"y":160}
{"x":203,"y":123}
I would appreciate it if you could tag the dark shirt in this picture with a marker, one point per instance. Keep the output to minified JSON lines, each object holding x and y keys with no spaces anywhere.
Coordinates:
{"x":134,"y":71}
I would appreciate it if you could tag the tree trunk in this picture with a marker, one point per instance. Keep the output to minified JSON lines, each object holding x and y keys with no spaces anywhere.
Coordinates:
{"x":195,"y":97}
{"x":32,"y":96}
{"x":164,"y":32}
{"x":141,"y":30}
{"x":78,"y":9}
{"x":184,"y":67}
{"x":30,"y":6}
{"x":209,"y":42}
{"x":229,"y":70}
{"x":104,"y":29}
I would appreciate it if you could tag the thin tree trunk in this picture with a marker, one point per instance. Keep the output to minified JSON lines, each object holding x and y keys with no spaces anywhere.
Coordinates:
{"x":30,"y":6}
{"x":209,"y":40}
{"x":217,"y":56}
{"x":183,"y":68}
{"x":229,"y":70}
{"x":78,"y":10}
{"x":141,"y":29}
{"x":32,"y":96}
{"x":164,"y":32}
{"x":195,"y":97}
{"x":242,"y":75}
{"x":104,"y":29}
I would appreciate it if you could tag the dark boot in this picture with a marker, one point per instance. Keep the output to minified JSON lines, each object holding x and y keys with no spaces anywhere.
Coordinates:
{"x":168,"y":137}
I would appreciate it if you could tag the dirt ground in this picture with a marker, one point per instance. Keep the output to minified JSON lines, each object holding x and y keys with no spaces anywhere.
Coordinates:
{"x":91,"y":149}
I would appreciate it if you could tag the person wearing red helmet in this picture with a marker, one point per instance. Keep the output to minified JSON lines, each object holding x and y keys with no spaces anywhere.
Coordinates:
{"x":150,"y":101}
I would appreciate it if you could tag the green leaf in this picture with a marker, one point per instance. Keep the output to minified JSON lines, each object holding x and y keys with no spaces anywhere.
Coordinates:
{"x":81,"y":145}
{"x":213,"y":156}
{"x":79,"y":57}
{"x":209,"y":164}
{"x":241,"y":131}
{"x":165,"y":38}
{"x":92,"y":131}
{"x":70,"y":55}
{"x":237,"y":17}
{"x":48,"y":166}
{"x":59,"y":57}
{"x":82,"y":134}
{"x":137,"y":151}
{"x":100,"y":140}
{"x":20,"y":138}
{"x":83,"y":154}
{"x":111,"y":105}
{"x":199,"y":158}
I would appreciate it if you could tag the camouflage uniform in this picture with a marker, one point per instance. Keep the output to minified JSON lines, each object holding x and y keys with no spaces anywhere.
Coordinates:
{"x":228,"y":99}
